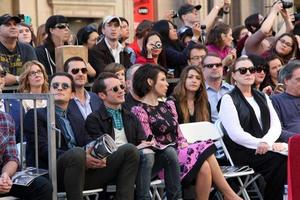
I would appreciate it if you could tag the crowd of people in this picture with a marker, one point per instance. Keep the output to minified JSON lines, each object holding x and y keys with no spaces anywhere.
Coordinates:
{"x":247,"y":77}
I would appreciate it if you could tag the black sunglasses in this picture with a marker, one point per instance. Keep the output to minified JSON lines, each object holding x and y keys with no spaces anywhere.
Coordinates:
{"x":2,"y":74}
{"x":259,"y":69}
{"x":62,"y":25}
{"x":213,"y":64}
{"x":76,"y":70}
{"x":243,"y":70}
{"x":64,"y":86}
{"x":116,"y":88}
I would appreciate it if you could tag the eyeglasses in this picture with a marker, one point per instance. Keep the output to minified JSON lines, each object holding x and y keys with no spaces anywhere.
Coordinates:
{"x":34,"y":73}
{"x":260,"y":69}
{"x":2,"y":74}
{"x":212,"y":65}
{"x":62,"y":25}
{"x":76,"y":70}
{"x":243,"y":70}
{"x":64,"y":86}
{"x":286,"y":43}
{"x":116,"y":88}
{"x":197,"y":58}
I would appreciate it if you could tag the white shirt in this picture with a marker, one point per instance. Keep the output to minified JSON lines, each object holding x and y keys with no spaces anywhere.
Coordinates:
{"x":230,"y":120}
{"x":120,"y":137}
{"x":85,"y":108}
{"x":115,"y":52}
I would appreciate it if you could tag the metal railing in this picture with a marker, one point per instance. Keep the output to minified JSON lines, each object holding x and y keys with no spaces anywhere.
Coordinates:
{"x":50,"y":128}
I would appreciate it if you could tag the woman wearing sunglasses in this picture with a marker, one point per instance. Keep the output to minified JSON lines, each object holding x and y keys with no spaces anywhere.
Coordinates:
{"x":58,"y":34}
{"x":152,"y":50}
{"x":33,"y":80}
{"x":182,"y":163}
{"x":253,"y":127}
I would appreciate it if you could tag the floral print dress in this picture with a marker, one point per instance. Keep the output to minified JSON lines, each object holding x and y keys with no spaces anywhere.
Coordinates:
{"x":161,"y":122}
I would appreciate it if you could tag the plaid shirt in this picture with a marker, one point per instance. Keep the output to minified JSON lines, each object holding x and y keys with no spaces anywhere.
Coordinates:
{"x":117,"y":117}
{"x":8,"y":149}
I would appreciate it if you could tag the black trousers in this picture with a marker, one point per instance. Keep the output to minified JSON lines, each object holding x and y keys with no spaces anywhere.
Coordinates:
{"x":39,"y":189}
{"x":273,"y":167}
{"x":122,"y":168}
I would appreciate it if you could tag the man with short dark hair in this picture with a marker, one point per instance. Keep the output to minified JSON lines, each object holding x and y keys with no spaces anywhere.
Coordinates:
{"x":196,"y":54}
{"x":287,"y":104}
{"x":215,"y":86}
{"x":109,"y":49}
{"x":123,"y":126}
{"x":13,"y":54}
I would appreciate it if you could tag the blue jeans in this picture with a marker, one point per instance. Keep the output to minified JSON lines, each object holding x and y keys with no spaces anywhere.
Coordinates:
{"x":167,"y":159}
{"x":144,"y":176}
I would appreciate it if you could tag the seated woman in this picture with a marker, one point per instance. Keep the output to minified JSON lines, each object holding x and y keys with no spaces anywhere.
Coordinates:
{"x":33,"y":80}
{"x":253,"y":128}
{"x":186,"y":164}
{"x":190,"y":96}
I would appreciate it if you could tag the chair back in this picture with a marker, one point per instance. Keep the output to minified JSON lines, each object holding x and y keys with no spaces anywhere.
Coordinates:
{"x":293,"y":168}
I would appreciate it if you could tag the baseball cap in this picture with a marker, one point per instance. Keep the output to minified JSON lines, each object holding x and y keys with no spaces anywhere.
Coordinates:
{"x":186,"y":8}
{"x":111,"y":18}
{"x":6,"y":17}
{"x":53,"y":20}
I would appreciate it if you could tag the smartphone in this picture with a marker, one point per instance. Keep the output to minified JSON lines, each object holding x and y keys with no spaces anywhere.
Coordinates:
{"x":27,"y":19}
{"x":149,"y":138}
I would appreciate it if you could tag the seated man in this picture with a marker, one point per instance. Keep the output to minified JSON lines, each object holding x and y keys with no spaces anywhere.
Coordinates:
{"x":76,"y":168}
{"x":287,"y":103}
{"x":123,"y":127}
{"x":40,"y":188}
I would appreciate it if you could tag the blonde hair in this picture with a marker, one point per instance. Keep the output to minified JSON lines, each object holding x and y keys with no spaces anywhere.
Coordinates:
{"x":24,"y":86}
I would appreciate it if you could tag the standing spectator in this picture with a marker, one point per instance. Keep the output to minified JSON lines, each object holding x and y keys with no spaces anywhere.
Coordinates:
{"x":40,"y":188}
{"x":253,"y":127}
{"x":196,"y":54}
{"x":13,"y":54}
{"x":141,"y":31}
{"x":87,"y":36}
{"x":33,"y":80}
{"x":176,"y":54}
{"x":215,"y":86}
{"x":109,"y":50}
{"x":152,"y":50}
{"x":58,"y":33}
{"x":25,"y":34}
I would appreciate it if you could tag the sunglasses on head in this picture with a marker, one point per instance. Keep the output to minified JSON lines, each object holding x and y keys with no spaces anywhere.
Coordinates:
{"x":243,"y":70}
{"x":212,"y":65}
{"x":64,"y":86}
{"x":116,"y":88}
{"x":62,"y":25}
{"x":2,"y":74}
{"x":76,"y":70}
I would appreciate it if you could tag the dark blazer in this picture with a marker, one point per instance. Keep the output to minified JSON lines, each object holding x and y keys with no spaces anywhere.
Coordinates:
{"x":100,"y":122}
{"x":80,"y":134}
{"x":100,"y":56}
{"x":95,"y":103}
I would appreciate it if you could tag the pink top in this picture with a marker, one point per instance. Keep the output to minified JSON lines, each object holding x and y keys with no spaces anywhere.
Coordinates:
{"x":222,"y":53}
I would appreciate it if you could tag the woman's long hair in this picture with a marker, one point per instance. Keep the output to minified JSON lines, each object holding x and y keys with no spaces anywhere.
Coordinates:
{"x":201,"y":109}
{"x":215,"y":35}
{"x":24,"y":86}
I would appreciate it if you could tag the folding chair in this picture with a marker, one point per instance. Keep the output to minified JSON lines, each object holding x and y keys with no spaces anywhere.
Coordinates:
{"x":199,"y":131}
{"x":86,"y":194}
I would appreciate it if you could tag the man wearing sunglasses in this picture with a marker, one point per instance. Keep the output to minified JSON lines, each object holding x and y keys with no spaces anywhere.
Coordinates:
{"x":215,"y":86}
{"x":13,"y":54}
{"x":82,"y":102}
{"x":58,"y":34}
{"x":112,"y":118}
{"x":109,"y":50}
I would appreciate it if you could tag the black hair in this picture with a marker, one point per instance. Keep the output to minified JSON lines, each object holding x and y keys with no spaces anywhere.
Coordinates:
{"x":197,"y":46}
{"x":286,"y":73}
{"x":141,"y":86}
{"x":99,"y":85}
{"x":63,"y":74}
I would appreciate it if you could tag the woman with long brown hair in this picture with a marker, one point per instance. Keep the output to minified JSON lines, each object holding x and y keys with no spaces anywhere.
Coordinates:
{"x":190,"y":96}
{"x":33,"y":80}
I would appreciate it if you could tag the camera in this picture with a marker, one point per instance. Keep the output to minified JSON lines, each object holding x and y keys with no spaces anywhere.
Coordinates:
{"x":286,"y":4}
